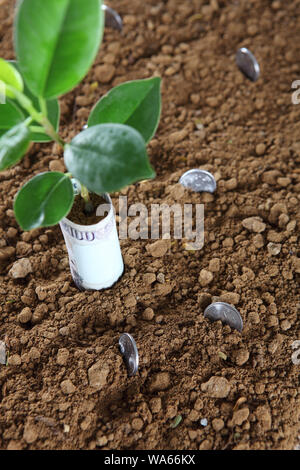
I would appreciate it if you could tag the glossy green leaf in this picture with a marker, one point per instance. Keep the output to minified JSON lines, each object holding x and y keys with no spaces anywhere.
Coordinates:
{"x":53,"y":109}
{"x":107,"y":157}
{"x":136,"y":104}
{"x":44,"y":200}
{"x":10,"y":76}
{"x":13,"y":145}
{"x":56,"y":42}
{"x":10,"y":116}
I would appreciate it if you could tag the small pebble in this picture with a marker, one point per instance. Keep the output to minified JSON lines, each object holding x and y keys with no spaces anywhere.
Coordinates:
{"x":25,"y":315}
{"x":155,"y":404}
{"x":214,"y":265}
{"x":241,"y":356}
{"x":260,"y":149}
{"x":102,"y":441}
{"x":20,"y":268}
{"x":137,"y":424}
{"x":149,"y":278}
{"x":14,"y":360}
{"x":160,"y":278}
{"x":57,"y":165}
{"x":285,"y":325}
{"x":160,"y":381}
{"x":148,"y":314}
{"x":274,"y":248}
{"x":98,"y":374}
{"x":205,"y":277}
{"x":67,"y":387}
{"x":217,"y":424}
{"x":216,"y":387}
{"x":239,"y":417}
{"x":254,"y":224}
{"x":104,"y":73}
{"x":159,"y":248}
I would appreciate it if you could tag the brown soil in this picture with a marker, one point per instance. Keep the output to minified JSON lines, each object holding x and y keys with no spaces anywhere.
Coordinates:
{"x":65,"y":386}
{"x":78,"y":213}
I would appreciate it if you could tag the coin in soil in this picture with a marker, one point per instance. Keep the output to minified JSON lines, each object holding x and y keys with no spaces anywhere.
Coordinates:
{"x":112,"y":18}
{"x":247,"y":64}
{"x":226,"y":313}
{"x":199,"y":181}
{"x":76,"y":186}
{"x":130,"y":353}
{"x":2,"y":353}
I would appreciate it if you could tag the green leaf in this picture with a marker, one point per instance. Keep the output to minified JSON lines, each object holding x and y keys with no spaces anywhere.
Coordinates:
{"x":53,"y":109}
{"x":56,"y":42}
{"x":44,"y":200}
{"x":136,"y":104}
{"x":10,"y":116}
{"x":10,"y":76}
{"x":13,"y":145}
{"x":107,"y":157}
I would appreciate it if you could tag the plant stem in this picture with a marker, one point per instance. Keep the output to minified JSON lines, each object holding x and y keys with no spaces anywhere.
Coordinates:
{"x":89,"y":207}
{"x":49,"y":129}
{"x":43,"y":106}
{"x":28,"y":121}
{"x":85,"y":193}
{"x":37,"y":129}
{"x":40,"y":117}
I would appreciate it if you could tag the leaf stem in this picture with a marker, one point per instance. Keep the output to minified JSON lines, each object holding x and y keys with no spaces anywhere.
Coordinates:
{"x":89,"y":207}
{"x":85,"y":193}
{"x":28,"y":121}
{"x":37,"y":129}
{"x":43,"y":106}
{"x":40,"y":117}
{"x":49,"y":129}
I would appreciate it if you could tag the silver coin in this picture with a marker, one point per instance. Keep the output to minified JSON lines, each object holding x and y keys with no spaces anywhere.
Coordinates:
{"x":2,"y":353}
{"x":226,"y":313}
{"x":199,"y":181}
{"x":247,"y":64}
{"x":76,"y":186}
{"x":130,"y":353}
{"x":112,"y":18}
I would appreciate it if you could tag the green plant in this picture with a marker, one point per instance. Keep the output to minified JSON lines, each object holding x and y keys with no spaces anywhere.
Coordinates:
{"x":56,"y":42}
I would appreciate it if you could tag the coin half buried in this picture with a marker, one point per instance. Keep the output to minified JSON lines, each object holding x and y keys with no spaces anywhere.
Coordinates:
{"x":226,"y":313}
{"x":112,"y":18}
{"x":199,"y":181}
{"x":247,"y":64}
{"x":2,"y":353}
{"x":130,"y":353}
